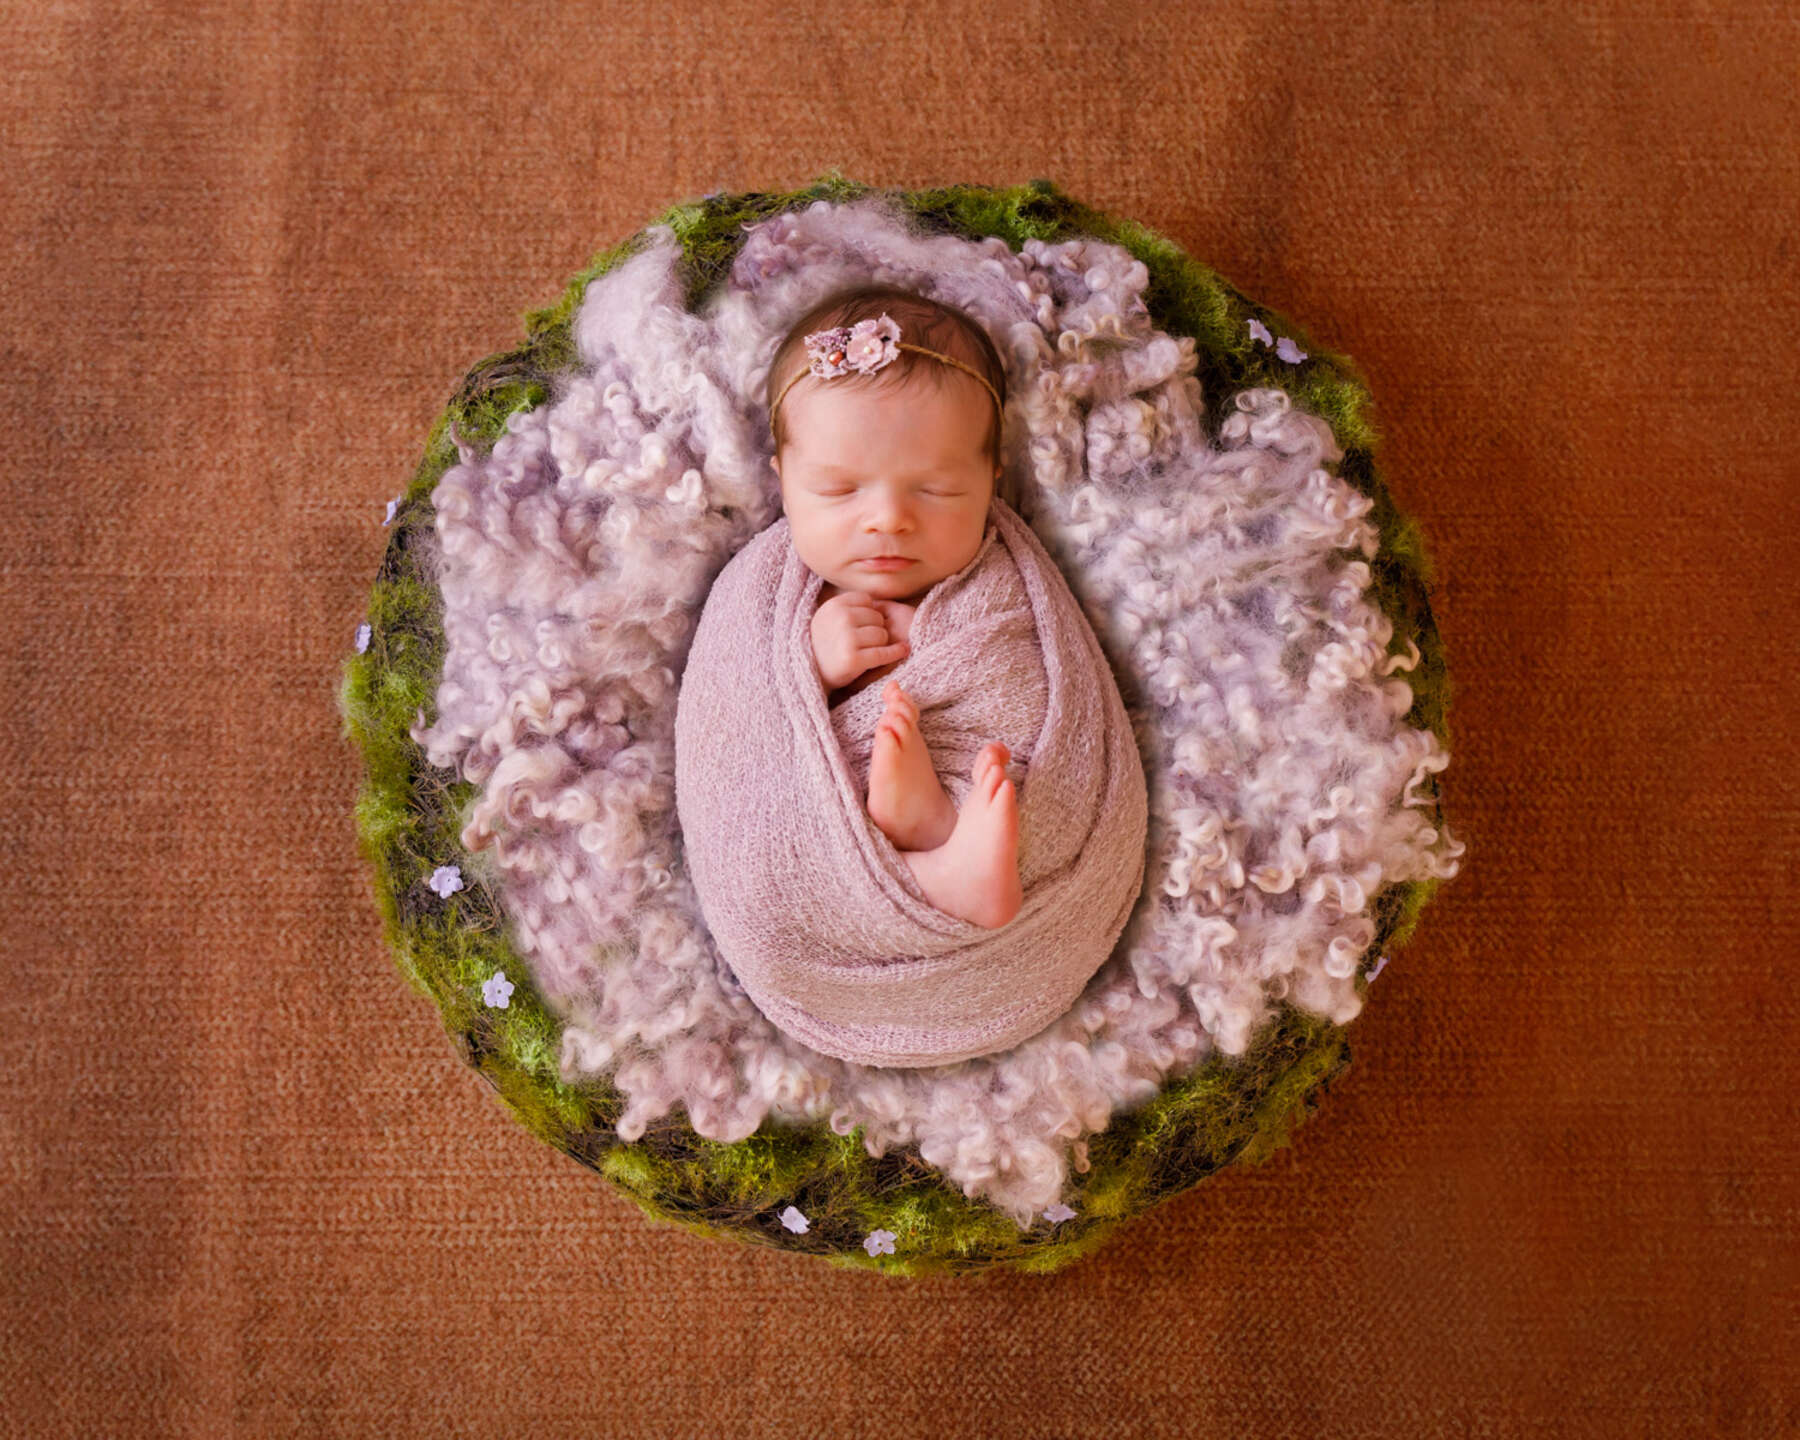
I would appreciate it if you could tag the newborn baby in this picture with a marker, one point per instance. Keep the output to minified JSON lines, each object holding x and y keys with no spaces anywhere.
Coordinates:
{"x":887,"y":443}
{"x":805,"y":774}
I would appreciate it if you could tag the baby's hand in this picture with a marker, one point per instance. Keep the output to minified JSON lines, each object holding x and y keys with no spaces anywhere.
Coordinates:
{"x":853,"y":632}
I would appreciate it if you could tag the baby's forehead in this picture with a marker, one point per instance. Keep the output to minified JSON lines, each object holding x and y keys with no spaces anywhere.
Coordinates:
{"x":832,"y":403}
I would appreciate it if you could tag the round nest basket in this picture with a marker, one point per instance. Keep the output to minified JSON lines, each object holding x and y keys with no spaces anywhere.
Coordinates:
{"x":1267,"y":621}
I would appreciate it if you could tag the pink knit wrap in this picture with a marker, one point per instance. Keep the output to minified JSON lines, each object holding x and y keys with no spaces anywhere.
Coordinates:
{"x":809,"y":903}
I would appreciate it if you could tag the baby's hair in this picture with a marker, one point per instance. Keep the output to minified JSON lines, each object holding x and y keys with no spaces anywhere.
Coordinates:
{"x":922,"y":321}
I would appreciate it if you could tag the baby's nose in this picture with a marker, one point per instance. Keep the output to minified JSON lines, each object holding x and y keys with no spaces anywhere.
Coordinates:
{"x":889,"y":510}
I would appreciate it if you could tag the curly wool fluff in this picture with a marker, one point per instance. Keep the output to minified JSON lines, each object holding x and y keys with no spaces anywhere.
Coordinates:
{"x":1227,"y":583}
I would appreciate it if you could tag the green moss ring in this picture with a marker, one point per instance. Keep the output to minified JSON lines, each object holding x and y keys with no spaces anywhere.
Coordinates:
{"x":513,"y":697}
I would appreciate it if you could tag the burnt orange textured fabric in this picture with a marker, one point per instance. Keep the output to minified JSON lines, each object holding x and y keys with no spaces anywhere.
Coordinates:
{"x":246,"y":1188}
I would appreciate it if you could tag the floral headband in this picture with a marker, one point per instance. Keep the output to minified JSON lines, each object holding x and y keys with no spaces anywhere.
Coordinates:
{"x":864,"y":347}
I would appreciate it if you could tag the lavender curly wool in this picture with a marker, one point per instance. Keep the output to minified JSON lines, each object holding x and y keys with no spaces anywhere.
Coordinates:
{"x":1220,"y":575}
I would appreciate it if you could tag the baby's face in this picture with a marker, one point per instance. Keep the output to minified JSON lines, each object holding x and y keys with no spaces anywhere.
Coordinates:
{"x":890,"y":472}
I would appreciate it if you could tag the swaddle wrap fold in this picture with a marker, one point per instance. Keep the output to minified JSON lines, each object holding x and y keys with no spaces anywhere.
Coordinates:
{"x":816,"y":912}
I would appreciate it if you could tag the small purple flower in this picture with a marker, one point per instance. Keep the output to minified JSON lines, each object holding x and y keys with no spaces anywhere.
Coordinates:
{"x":497,"y":990}
{"x":1058,"y":1213}
{"x":1289,"y":351}
{"x":1376,"y":969}
{"x":393,"y":505}
{"x":880,"y":1242}
{"x":363,"y":632}
{"x":446,"y":880}
{"x":794,"y":1220}
{"x":1260,"y":331}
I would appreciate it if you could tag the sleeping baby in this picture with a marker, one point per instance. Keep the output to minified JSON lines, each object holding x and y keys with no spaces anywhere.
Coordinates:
{"x":887,"y":450}
{"x":910,"y":799}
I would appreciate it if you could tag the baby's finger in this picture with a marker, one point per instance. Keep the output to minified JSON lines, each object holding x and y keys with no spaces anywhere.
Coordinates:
{"x":896,"y":613}
{"x":871,"y":656}
{"x":867,"y":635}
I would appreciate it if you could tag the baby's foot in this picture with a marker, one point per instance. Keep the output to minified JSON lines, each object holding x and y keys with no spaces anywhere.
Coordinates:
{"x":974,"y":875}
{"x":906,"y":798}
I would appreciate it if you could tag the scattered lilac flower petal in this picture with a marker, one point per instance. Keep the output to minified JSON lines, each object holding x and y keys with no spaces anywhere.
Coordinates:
{"x":1376,"y":969}
{"x":1059,"y":1212}
{"x":1260,"y":331}
{"x":794,"y":1220}
{"x":1289,"y":351}
{"x":363,"y":632}
{"x":446,"y":880}
{"x":393,"y":505}
{"x":880,"y":1242}
{"x":497,"y":990}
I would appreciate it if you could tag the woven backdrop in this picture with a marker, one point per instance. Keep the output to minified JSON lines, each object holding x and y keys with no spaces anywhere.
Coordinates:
{"x":246,"y":1186}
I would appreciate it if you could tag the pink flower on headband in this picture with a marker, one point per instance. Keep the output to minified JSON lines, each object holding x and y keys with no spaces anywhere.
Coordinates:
{"x":872,"y":344}
{"x":865,"y":346}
